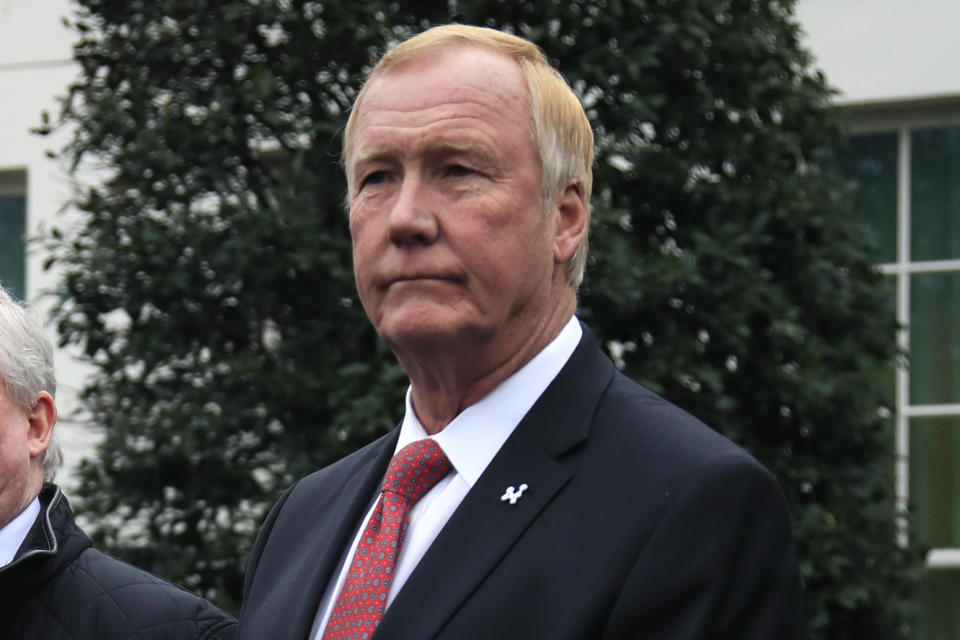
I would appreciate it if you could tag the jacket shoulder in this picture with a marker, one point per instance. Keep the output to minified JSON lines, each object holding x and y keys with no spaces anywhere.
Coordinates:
{"x":334,"y":482}
{"x":642,"y":426}
{"x":99,"y":596}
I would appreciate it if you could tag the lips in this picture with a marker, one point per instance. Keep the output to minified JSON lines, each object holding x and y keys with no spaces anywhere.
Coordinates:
{"x":419,"y":277}
{"x":390,"y":272}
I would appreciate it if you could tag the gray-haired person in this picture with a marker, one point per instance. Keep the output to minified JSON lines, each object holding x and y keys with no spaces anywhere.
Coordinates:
{"x":53,"y":583}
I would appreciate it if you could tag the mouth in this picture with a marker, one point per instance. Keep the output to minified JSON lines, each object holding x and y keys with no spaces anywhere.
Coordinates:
{"x":420,"y":278}
{"x":414,"y":279}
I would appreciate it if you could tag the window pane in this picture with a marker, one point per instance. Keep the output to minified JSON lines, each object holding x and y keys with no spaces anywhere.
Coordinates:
{"x":935,"y":480}
{"x":935,"y":194}
{"x":935,"y":338}
{"x":12,"y":244}
{"x":872,"y":161}
{"x":940,"y":593}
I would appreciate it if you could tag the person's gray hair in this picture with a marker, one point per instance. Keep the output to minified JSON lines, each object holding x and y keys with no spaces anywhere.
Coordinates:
{"x":26,"y":366}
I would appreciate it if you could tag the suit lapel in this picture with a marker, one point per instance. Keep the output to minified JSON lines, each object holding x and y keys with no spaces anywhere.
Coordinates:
{"x":342,"y":514}
{"x":484,"y":527}
{"x":296,"y":569}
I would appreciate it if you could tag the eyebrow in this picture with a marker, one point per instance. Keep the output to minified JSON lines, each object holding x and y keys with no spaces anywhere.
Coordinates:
{"x":370,"y":155}
{"x":440,"y":148}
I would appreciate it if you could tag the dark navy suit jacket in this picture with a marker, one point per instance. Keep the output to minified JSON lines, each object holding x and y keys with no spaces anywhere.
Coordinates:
{"x":639,"y":522}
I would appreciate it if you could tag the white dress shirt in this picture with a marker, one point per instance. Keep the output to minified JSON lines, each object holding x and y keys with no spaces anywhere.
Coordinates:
{"x":13,"y":535}
{"x":470,"y":441}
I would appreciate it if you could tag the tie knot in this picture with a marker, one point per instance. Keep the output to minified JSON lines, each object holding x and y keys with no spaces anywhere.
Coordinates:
{"x":415,"y":469}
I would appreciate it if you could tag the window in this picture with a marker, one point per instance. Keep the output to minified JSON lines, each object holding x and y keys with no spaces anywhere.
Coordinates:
{"x":13,"y":226}
{"x":907,"y":161}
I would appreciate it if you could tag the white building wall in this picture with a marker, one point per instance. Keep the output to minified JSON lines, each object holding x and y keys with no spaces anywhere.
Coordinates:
{"x":885,"y":50}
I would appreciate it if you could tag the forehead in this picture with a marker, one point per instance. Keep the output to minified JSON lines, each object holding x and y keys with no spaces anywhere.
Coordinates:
{"x":474,"y":86}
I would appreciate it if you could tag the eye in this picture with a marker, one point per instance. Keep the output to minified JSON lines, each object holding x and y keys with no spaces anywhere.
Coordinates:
{"x":459,"y":171}
{"x":374,"y":177}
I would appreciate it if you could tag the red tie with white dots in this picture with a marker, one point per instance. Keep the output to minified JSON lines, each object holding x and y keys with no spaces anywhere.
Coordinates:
{"x":413,"y":471}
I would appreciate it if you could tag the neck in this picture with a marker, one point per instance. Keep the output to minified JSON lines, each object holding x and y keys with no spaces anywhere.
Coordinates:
{"x":27,"y":492}
{"x":444,"y":383}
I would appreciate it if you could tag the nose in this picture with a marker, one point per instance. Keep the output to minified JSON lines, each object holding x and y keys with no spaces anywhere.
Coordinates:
{"x":412,"y":220}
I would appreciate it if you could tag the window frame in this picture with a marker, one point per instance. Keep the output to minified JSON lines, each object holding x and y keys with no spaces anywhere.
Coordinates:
{"x":902,"y":118}
{"x":13,"y":183}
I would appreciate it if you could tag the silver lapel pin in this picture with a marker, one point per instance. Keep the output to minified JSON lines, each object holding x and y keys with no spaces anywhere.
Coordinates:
{"x":513,"y":494}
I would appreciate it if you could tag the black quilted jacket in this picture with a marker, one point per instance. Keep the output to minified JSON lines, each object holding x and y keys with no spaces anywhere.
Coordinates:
{"x":59,"y":587}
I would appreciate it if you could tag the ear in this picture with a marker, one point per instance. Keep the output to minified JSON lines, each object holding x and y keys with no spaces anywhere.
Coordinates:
{"x":571,"y":223}
{"x":40,"y":420}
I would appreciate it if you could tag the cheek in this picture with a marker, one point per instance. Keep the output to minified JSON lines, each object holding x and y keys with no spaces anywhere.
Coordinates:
{"x":360,"y":243}
{"x":361,"y":274}
{"x":503,"y":251}
{"x":355,"y":224}
{"x":362,"y":269}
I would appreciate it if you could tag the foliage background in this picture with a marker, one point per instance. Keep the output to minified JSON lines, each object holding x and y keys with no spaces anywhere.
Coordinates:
{"x":211,"y":286}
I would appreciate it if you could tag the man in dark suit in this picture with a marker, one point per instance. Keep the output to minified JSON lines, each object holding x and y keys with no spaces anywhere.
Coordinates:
{"x":533,"y":492}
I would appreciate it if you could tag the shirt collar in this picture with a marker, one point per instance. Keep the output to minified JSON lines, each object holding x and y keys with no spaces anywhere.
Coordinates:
{"x":13,"y":535}
{"x":473,"y":438}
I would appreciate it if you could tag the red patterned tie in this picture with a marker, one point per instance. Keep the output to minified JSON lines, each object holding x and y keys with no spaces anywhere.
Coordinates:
{"x":413,"y":471}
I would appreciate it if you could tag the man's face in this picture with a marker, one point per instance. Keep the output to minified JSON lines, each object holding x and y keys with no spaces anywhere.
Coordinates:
{"x":16,"y":474}
{"x":450,"y":243}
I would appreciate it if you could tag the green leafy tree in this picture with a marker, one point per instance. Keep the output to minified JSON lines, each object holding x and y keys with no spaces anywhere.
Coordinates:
{"x":210,"y":283}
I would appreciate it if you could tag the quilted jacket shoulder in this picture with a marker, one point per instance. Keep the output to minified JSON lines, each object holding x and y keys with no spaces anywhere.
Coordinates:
{"x":60,"y":588}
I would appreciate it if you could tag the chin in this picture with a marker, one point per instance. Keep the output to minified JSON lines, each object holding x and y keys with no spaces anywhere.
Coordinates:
{"x":425,"y":330}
